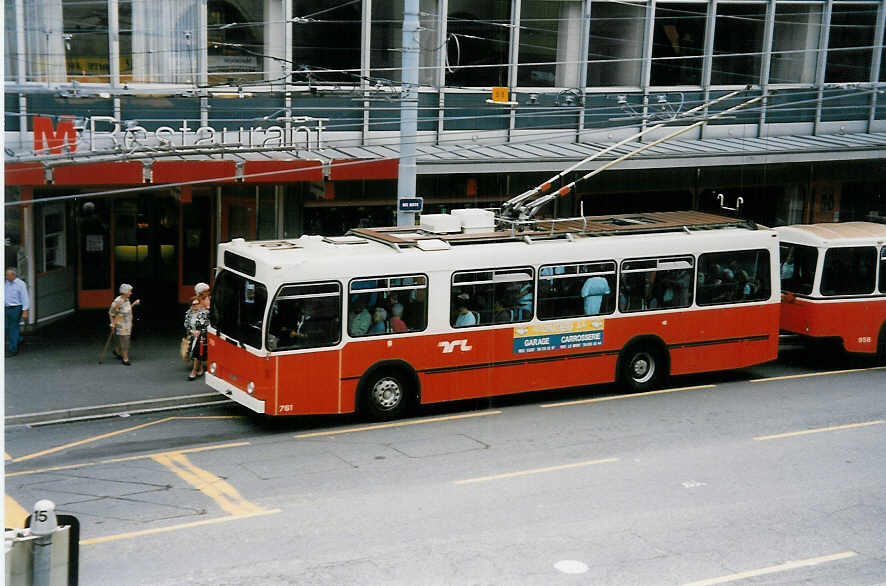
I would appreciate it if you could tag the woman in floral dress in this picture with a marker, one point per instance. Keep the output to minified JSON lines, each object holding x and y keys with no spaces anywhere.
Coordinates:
{"x":121,"y":321}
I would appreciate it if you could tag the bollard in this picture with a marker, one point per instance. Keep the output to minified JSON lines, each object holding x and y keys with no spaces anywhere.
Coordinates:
{"x":43,"y":525}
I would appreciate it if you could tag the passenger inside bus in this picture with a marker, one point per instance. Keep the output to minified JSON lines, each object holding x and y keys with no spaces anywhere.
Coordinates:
{"x":502,"y":314}
{"x":592,"y":293}
{"x":359,"y":318}
{"x":397,"y":323}
{"x":638,"y":292}
{"x":379,"y":321}
{"x":303,"y":323}
{"x":464,"y":316}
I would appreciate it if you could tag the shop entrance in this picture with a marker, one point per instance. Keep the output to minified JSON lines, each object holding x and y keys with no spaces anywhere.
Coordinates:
{"x":146,"y":237}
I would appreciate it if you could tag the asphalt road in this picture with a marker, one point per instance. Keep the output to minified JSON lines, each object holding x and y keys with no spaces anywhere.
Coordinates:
{"x":722,"y":479}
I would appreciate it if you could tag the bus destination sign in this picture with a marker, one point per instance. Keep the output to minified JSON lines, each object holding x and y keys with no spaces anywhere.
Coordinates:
{"x":579,"y":333}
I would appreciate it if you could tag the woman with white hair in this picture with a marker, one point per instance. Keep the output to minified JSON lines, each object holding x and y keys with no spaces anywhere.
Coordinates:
{"x":121,"y":322}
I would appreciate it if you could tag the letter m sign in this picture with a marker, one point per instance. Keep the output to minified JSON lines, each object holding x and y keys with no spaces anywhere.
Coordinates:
{"x":53,"y":140}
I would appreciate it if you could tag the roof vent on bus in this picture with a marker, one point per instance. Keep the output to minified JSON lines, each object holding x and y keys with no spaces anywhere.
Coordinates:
{"x":344,"y":240}
{"x":440,"y":223}
{"x":474,"y":220}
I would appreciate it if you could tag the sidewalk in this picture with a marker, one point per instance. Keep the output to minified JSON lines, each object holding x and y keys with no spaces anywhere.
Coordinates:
{"x":56,"y":374}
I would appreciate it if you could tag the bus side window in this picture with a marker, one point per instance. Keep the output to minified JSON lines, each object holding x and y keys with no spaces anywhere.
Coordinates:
{"x":662,"y":283}
{"x":305,"y":316}
{"x":797,"y":264}
{"x":387,"y":305}
{"x":739,"y":276}
{"x":491,"y":297}
{"x":849,"y":271}
{"x":576,"y":290}
{"x":883,"y":270}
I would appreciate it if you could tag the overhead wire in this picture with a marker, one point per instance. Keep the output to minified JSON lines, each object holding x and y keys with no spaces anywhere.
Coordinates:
{"x":142,"y":188}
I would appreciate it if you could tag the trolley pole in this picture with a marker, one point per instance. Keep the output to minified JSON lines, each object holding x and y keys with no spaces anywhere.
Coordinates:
{"x":408,"y":116}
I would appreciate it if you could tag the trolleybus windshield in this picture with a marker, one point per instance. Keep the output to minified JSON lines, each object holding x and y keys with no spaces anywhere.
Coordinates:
{"x":238,"y":308}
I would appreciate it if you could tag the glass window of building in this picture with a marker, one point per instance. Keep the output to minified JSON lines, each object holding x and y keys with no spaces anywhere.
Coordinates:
{"x":46,"y":47}
{"x":235,"y":31}
{"x":851,"y":43}
{"x":795,"y":43}
{"x":386,"y":41}
{"x":158,"y":41}
{"x":10,"y":54}
{"x":615,"y":49}
{"x":86,"y":40}
{"x":883,"y":57}
{"x":478,"y":37}
{"x":738,"y":42}
{"x":326,"y":42}
{"x":678,"y":43}
{"x":550,"y":32}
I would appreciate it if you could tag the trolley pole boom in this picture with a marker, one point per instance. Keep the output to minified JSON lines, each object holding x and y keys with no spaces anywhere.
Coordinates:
{"x":528,"y":203}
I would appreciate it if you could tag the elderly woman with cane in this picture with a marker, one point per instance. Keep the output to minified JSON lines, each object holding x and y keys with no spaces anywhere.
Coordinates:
{"x":121,"y":322}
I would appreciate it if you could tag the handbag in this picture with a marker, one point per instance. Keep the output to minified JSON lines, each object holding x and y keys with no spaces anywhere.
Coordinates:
{"x":183,"y":349}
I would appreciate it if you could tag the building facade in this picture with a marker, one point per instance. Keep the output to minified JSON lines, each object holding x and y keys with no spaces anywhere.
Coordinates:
{"x":140,"y":133}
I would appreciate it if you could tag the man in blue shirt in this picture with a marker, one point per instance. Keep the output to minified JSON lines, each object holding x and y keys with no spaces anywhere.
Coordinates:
{"x":17,"y":306}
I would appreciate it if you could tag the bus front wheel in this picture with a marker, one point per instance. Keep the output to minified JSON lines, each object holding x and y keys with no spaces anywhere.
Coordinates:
{"x":385,"y":395}
{"x":642,"y":367}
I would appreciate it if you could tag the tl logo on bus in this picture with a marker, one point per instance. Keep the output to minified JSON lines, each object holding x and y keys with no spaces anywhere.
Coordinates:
{"x":449,"y":347}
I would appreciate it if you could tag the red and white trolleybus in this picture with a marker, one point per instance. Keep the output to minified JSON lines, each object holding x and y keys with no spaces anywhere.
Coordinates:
{"x":833,"y":278}
{"x":465,"y":306}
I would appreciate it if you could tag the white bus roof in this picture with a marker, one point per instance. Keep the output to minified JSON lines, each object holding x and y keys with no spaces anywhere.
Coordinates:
{"x":389,"y":251}
{"x":831,"y":234}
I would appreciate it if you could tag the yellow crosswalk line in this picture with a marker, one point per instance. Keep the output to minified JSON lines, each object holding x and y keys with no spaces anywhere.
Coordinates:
{"x":14,"y":514}
{"x":209,"y":484}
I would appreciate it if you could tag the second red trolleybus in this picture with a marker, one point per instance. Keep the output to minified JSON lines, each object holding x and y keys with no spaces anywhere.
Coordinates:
{"x":461,"y":308}
{"x":833,"y":278}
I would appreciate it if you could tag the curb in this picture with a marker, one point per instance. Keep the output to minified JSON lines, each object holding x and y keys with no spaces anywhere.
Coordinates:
{"x":116,"y":409}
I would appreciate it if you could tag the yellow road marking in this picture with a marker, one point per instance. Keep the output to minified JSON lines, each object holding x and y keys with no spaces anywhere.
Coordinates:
{"x":89,"y":440}
{"x":126,"y":459}
{"x":133,"y":534}
{"x":209,"y":484}
{"x":819,"y":430}
{"x":96,"y":438}
{"x":15,"y":514}
{"x":774,"y":569}
{"x":536,"y":471}
{"x":397,"y":424}
{"x":629,"y":396}
{"x":810,"y":374}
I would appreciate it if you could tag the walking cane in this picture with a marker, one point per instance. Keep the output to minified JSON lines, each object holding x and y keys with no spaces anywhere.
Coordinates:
{"x":105,"y":349}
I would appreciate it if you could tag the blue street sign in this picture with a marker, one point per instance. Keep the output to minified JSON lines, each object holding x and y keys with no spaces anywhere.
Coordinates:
{"x":410,"y":204}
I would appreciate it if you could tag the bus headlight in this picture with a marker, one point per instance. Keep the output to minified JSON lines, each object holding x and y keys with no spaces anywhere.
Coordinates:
{"x":250,"y":388}
{"x":212,"y":368}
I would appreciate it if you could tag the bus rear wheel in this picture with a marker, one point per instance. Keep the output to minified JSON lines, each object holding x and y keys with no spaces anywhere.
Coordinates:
{"x":642,"y":367}
{"x":385,"y":395}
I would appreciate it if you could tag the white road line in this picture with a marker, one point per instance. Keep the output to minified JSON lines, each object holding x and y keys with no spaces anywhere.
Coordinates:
{"x":629,"y":396}
{"x":811,"y":374}
{"x":774,"y":569}
{"x":397,"y":424}
{"x":761,"y":438}
{"x":536,"y":471}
